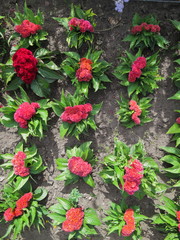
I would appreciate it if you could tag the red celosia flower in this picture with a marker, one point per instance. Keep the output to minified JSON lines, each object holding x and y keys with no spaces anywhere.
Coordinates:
{"x":18,"y":212}
{"x":79,"y":167}
{"x":140,"y":62}
{"x":81,"y":25}
{"x":9,"y":214}
{"x":74,"y":220}
{"x":83,"y":75}
{"x":76,"y":114}
{"x":27,"y":28}
{"x":178,"y":215}
{"x":137,"y":71}
{"x":147,"y":27}
{"x":131,"y":76}
{"x":127,"y":230}
{"x":178,"y":120}
{"x":135,"y":118}
{"x":25,"y":65}
{"x":86,"y":63}
{"x":23,"y":202}
{"x":132,"y":177}
{"x":19,"y":164}
{"x":24,"y":113}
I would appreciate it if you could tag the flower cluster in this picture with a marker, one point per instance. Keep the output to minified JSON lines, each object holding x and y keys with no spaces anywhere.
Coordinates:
{"x":136,"y":72}
{"x":25,"y":65}
{"x":79,"y":167}
{"x":27,"y":28}
{"x":178,"y":218}
{"x":120,"y":5}
{"x":76,"y":113}
{"x":25,"y":112}
{"x":133,"y":177}
{"x":21,"y":203}
{"x":80,"y":24}
{"x":145,"y":27}
{"x":129,"y":228}
{"x":84,"y":72}
{"x":137,"y":111}
{"x":74,"y":220}
{"x":19,"y":164}
{"x":178,"y":120}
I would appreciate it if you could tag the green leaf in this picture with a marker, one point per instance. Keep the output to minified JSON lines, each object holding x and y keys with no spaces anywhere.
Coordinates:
{"x":57,"y":208}
{"x":21,"y":183}
{"x":40,"y":194}
{"x":65,"y":203}
{"x":89,"y":180}
{"x":175,"y":128}
{"x":14,"y":84}
{"x":48,"y":73}
{"x":64,"y":127}
{"x":91,"y":217}
{"x":40,"y":87}
{"x":57,"y":217}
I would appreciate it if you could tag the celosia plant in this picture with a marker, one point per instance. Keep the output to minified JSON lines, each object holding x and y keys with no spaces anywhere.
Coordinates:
{"x":25,"y":162}
{"x":36,"y":70}
{"x":131,"y":171}
{"x":138,"y":74}
{"x":29,"y":27}
{"x":29,"y":118}
{"x":125,"y":221}
{"x":133,"y":112}
{"x":168,"y":220}
{"x":80,"y":26}
{"x":78,"y":164}
{"x":21,"y":209}
{"x":76,"y":116}
{"x":145,"y":33}
{"x":86,"y":72}
{"x":75,"y":220}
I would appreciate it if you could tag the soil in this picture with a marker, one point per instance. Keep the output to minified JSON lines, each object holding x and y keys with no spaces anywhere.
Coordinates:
{"x":111,"y":28}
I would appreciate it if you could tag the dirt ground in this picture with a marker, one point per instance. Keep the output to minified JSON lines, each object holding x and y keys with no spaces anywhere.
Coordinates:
{"x":111,"y":28}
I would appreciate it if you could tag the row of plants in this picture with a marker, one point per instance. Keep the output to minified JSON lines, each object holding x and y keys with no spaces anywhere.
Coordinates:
{"x":128,"y":168}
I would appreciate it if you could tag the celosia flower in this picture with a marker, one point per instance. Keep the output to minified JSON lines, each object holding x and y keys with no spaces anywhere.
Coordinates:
{"x":132,"y":177}
{"x":25,"y":112}
{"x":132,"y":76}
{"x":25,"y":65}
{"x":83,"y":75}
{"x":74,"y":220}
{"x":86,"y":63}
{"x":76,"y":114}
{"x":178,"y":215}
{"x":79,"y":167}
{"x":146,"y":27}
{"x":127,"y":230}
{"x":140,"y":62}
{"x":23,"y":202}
{"x":27,"y":28}
{"x":129,"y":216}
{"x":9,"y":214}
{"x":18,"y":212}
{"x":19,"y":164}
{"x":137,"y":111}
{"x":81,"y":25}
{"x":178,"y":120}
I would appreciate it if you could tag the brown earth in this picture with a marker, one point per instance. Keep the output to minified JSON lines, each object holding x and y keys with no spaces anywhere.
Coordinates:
{"x":111,"y":28}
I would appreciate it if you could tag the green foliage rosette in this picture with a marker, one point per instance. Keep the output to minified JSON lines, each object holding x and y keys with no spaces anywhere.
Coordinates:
{"x":80,"y":26}
{"x":168,"y":220}
{"x":30,"y":118}
{"x":78,"y":222}
{"x":25,"y":162}
{"x":125,"y":221}
{"x":37,"y":71}
{"x":86,"y":72}
{"x":76,"y":116}
{"x":21,"y":209}
{"x":138,"y":81}
{"x":28,"y":27}
{"x":134,"y":112}
{"x":78,"y":165}
{"x":131,"y":171}
{"x":145,"y":33}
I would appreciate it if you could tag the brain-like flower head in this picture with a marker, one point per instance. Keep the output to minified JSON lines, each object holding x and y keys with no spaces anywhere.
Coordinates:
{"x":79,"y":167}
{"x":27,"y":28}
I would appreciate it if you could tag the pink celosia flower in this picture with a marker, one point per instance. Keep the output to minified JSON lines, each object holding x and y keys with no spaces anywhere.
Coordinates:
{"x":79,"y":167}
{"x":178,"y":120}
{"x":137,"y":111}
{"x":9,"y":214}
{"x":19,"y":164}
{"x":23,"y":202}
{"x":129,"y":228}
{"x":76,"y":114}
